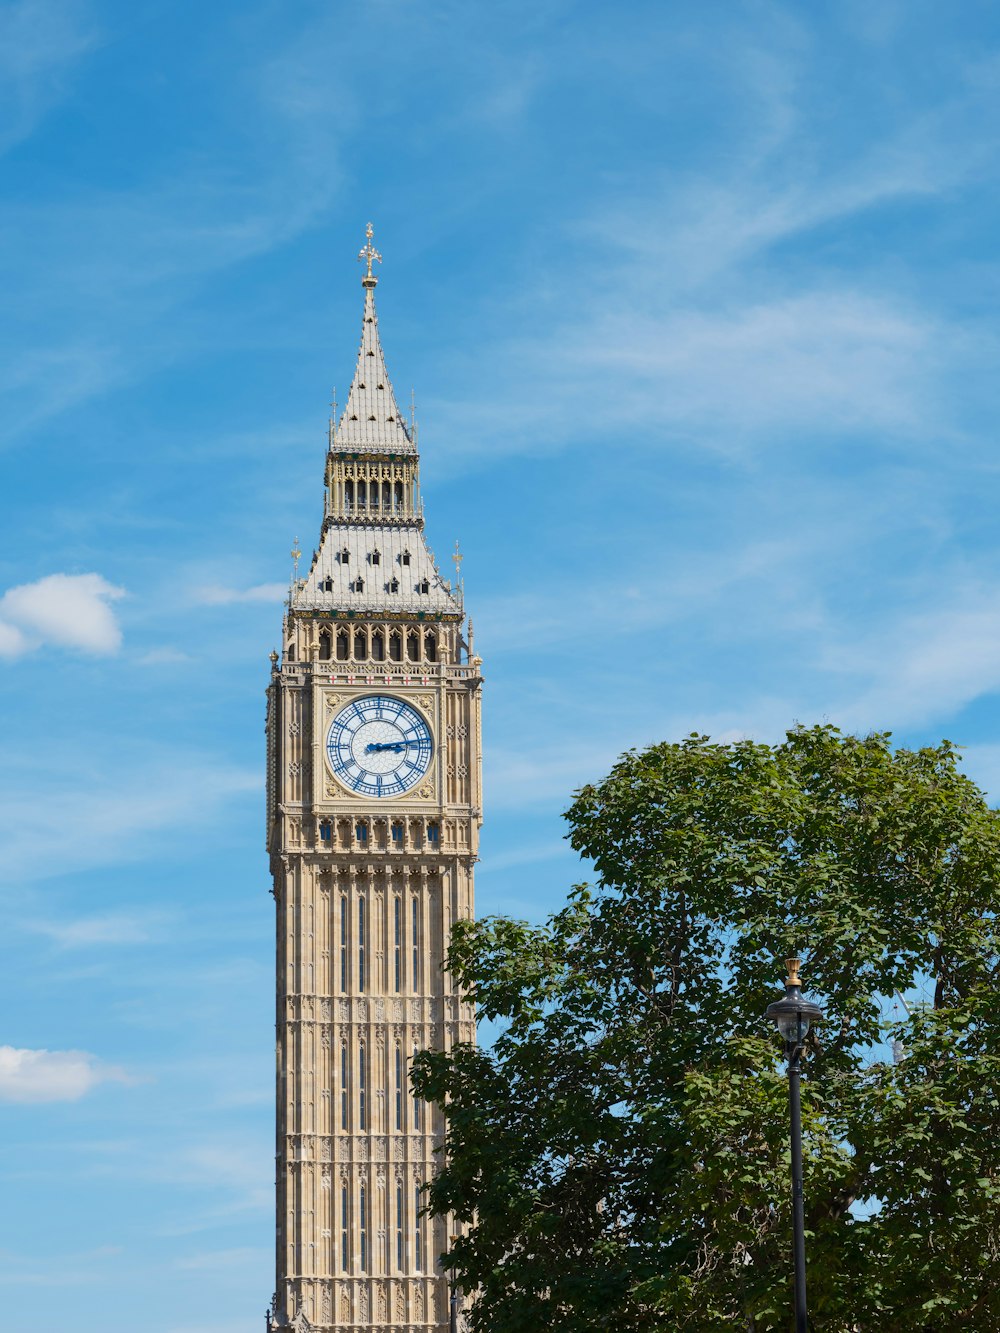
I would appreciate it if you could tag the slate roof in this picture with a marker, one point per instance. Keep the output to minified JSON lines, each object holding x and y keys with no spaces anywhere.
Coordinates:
{"x":332,"y":582}
{"x":371,"y":423}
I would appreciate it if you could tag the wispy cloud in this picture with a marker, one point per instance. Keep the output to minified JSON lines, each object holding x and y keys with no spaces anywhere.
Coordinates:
{"x":40,"y":42}
{"x":96,"y":826}
{"x":215,"y":594}
{"x":62,"y":610}
{"x":105,"y":928}
{"x":52,"y":1076}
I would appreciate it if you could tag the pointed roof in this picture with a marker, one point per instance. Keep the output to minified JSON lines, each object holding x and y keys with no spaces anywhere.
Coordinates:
{"x":371,"y":422}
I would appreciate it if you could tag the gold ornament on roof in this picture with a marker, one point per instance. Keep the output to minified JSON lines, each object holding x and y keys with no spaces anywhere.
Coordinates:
{"x":369,"y":254}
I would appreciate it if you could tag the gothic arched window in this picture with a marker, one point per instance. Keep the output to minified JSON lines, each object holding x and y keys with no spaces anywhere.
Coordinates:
{"x":413,"y":646}
{"x":360,"y":646}
{"x":395,"y":645}
{"x":343,"y":645}
{"x":378,"y":647}
{"x":325,"y":645}
{"x":430,"y":646}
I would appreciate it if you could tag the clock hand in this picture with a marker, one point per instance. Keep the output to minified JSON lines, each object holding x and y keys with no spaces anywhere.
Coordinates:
{"x":398,"y":746}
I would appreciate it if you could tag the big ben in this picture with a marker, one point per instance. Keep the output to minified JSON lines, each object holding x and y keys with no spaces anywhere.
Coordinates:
{"x":374,"y":782}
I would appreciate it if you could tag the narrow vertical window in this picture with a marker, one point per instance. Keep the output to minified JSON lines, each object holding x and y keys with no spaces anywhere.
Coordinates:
{"x":343,"y":1228}
{"x":430,"y":647}
{"x":345,"y":1083}
{"x":397,"y":909}
{"x":361,"y":944}
{"x":415,"y":974}
{"x":360,"y":646}
{"x":343,"y":943}
{"x":397,"y":496}
{"x":325,"y":645}
{"x":348,"y":496}
{"x":399,"y":1087}
{"x":416,"y":1102}
{"x":399,"y":1228}
{"x":433,"y":834}
{"x":362,"y":495}
{"x":417,"y":1255}
{"x":343,"y":646}
{"x":362,"y":1091}
{"x":364,"y":1229}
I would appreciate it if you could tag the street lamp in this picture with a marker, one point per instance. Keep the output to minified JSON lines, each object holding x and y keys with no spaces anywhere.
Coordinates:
{"x":793,"y":1016}
{"x":453,"y":1301}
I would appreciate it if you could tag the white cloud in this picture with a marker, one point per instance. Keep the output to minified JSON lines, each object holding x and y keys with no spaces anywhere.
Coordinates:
{"x":40,"y":41}
{"x":98,"y":825}
{"x":163,"y":657}
{"x":51,"y":1076}
{"x":215,"y":595}
{"x":107,"y":928}
{"x":60,"y":610}
{"x":924,"y":665}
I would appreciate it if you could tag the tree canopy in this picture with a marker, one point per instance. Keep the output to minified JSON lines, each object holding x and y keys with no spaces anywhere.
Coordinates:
{"x":619,"y":1158}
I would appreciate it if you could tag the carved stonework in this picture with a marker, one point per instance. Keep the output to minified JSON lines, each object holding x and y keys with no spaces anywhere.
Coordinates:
{"x":337,"y":988}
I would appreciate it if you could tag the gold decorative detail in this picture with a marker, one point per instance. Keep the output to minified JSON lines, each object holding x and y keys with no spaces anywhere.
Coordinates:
{"x":370,"y":254}
{"x":426,"y":701}
{"x":427,"y":791}
{"x":296,"y":556}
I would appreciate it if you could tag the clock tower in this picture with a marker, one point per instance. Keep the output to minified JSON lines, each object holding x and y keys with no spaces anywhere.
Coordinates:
{"x":373,"y":814}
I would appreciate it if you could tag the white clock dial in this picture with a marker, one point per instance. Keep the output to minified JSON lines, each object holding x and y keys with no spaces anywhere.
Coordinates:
{"x":379,"y":746}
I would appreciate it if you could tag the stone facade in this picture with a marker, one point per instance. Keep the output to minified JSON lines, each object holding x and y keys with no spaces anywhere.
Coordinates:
{"x":367,"y":885}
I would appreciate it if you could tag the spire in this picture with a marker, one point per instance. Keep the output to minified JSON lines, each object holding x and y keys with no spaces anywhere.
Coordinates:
{"x":371,"y":422}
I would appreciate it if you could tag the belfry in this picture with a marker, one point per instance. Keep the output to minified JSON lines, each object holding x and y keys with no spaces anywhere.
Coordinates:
{"x":373,"y":814}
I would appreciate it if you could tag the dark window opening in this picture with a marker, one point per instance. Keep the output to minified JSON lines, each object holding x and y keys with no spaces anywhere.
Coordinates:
{"x":404,"y":559}
{"x":360,"y":646}
{"x":378,"y":647}
{"x":413,"y":646}
{"x":325,"y":831}
{"x":343,"y":645}
{"x":325,"y":645}
{"x":433,"y":833}
{"x":395,"y":638}
{"x":430,"y":647}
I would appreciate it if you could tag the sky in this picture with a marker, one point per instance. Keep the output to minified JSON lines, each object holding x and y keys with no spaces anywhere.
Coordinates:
{"x":699,"y":305}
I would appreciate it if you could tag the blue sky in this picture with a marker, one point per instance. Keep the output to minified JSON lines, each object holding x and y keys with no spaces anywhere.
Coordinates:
{"x":699,"y":303}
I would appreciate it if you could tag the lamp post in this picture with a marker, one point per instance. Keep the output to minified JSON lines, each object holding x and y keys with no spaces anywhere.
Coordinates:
{"x":793,"y":1016}
{"x":453,"y":1299}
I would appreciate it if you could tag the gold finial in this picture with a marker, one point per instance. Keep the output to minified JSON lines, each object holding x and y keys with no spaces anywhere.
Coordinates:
{"x":793,"y":965}
{"x":296,"y":554}
{"x":458,"y":557}
{"x":369,"y":253}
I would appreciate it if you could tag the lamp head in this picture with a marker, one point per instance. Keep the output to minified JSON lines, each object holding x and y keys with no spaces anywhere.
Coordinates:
{"x":793,"y":1015}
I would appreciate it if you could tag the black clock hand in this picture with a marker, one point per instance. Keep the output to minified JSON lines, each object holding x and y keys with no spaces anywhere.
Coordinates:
{"x":398,"y":746}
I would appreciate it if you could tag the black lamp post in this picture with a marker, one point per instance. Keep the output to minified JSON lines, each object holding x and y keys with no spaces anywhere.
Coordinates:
{"x":793,"y":1016}
{"x":453,"y":1301}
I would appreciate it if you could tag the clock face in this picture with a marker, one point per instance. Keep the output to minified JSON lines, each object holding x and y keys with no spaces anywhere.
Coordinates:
{"x":379,"y":746}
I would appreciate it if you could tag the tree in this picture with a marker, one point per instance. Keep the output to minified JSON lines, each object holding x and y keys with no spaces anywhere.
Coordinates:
{"x":619,"y":1156}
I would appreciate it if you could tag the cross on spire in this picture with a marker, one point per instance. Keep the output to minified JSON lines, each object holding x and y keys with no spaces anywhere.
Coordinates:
{"x":370,"y":254}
